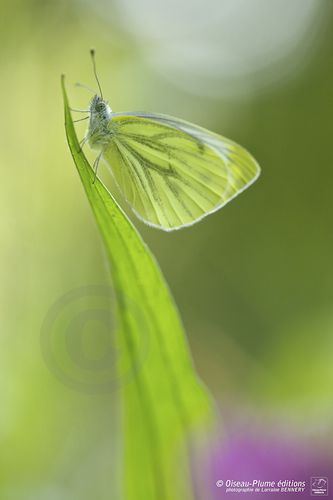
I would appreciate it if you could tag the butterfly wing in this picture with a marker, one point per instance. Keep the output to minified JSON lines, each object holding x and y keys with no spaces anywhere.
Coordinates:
{"x":174,"y":173}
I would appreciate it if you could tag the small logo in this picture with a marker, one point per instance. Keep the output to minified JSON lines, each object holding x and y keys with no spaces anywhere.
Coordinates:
{"x":219,"y":483}
{"x":319,"y":486}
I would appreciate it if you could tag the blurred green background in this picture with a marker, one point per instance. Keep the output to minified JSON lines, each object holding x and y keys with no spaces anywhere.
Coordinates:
{"x":253,"y":282}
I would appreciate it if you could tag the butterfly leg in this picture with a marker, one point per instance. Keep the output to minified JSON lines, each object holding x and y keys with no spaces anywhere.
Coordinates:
{"x":95,"y":166}
{"x":82,"y":143}
{"x":81,"y":119}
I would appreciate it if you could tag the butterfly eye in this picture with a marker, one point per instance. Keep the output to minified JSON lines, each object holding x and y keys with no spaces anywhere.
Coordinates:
{"x":100,"y":107}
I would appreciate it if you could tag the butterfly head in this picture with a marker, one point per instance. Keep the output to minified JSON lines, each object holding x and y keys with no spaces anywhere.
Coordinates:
{"x":99,"y":109}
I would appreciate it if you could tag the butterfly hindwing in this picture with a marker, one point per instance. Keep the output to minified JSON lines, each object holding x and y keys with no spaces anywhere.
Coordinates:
{"x":173,"y":173}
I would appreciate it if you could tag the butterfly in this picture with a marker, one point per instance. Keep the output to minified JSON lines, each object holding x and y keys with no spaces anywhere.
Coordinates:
{"x":171,"y":172}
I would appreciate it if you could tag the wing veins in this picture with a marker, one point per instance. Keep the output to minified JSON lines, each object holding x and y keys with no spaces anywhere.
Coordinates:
{"x":150,"y":182}
{"x":166,"y":149}
{"x":164,"y":172}
{"x":132,"y":169}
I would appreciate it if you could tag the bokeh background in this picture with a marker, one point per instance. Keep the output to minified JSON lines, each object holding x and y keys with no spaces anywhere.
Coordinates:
{"x":253,"y":282}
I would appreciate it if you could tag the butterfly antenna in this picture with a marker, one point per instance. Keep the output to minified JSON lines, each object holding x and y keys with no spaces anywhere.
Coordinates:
{"x":83,"y":86}
{"x":92,"y":53}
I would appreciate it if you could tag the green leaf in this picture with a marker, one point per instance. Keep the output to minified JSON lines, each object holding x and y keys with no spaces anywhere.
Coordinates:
{"x":164,"y":404}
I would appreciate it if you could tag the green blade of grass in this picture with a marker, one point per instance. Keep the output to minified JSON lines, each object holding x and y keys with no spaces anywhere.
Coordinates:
{"x":164,"y":404}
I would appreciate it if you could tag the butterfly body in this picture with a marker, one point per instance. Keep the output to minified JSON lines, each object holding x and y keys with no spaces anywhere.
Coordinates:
{"x":171,"y":172}
{"x":99,"y":132}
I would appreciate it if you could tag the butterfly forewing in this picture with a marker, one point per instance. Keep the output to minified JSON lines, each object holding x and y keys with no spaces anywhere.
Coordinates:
{"x":173,"y":173}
